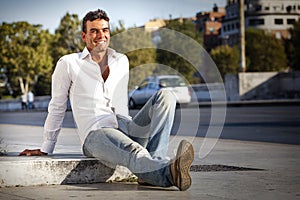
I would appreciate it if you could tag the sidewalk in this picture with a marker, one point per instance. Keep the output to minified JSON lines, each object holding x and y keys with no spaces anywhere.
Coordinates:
{"x":266,"y":170}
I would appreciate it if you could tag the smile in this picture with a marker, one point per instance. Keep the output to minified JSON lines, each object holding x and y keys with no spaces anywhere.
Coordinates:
{"x":101,"y":42}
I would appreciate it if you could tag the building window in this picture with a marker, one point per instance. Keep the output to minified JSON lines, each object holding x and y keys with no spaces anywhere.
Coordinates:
{"x":291,"y":21}
{"x":267,"y":8}
{"x":258,"y":8}
{"x":278,"y":21}
{"x":228,"y":27}
{"x":256,"y":22}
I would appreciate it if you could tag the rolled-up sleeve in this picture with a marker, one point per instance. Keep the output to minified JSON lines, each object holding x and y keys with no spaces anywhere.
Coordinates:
{"x":61,"y":83}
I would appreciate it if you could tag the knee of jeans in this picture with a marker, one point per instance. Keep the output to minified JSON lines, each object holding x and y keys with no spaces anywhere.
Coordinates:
{"x":94,"y":139}
{"x":166,"y":96}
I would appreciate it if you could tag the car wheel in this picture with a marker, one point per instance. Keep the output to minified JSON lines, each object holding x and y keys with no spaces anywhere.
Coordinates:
{"x":131,"y":104}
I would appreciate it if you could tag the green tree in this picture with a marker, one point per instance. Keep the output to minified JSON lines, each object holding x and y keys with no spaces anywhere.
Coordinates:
{"x":187,"y":27}
{"x":25,"y":54}
{"x":118,"y":29}
{"x":293,"y":47}
{"x":226,"y":58}
{"x":264,"y":52}
{"x":67,"y":37}
{"x":137,"y":45}
{"x":174,"y":57}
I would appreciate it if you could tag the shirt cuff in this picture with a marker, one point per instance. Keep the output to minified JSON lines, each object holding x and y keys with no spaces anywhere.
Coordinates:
{"x":48,"y":147}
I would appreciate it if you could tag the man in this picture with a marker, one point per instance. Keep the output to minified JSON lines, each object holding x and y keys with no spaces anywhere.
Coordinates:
{"x":24,"y":101}
{"x":96,"y":82}
{"x":30,"y":96}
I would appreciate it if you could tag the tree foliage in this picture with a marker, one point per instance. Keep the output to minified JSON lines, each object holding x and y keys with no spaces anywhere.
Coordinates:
{"x":187,"y":27}
{"x":226,"y":58}
{"x":293,"y":47}
{"x":169,"y":41}
{"x":67,"y":38}
{"x":25,"y":54}
{"x":137,"y":45}
{"x":29,"y":53}
{"x":264,"y":52}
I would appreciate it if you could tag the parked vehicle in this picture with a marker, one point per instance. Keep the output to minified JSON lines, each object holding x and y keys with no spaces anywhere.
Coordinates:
{"x":142,"y":93}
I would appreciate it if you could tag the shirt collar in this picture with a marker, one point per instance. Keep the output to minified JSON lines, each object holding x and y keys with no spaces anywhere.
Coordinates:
{"x":85,"y":53}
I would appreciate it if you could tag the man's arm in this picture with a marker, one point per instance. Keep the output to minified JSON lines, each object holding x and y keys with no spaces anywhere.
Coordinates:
{"x":56,"y":110}
{"x":120,"y":93}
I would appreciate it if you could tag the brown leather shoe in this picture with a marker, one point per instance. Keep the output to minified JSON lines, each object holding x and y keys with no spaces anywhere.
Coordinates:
{"x":180,"y":168}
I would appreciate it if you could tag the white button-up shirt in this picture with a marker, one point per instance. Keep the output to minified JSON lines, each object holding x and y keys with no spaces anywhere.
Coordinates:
{"x":94,"y":103}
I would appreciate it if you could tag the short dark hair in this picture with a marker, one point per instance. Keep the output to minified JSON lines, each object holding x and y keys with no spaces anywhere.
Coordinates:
{"x":93,"y":15}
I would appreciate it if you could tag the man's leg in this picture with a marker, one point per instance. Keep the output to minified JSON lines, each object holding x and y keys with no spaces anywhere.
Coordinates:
{"x":151,"y":127}
{"x":114,"y":147}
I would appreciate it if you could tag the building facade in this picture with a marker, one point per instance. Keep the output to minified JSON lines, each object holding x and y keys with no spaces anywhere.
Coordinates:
{"x":273,"y":16}
{"x":210,"y":23}
{"x":154,"y":25}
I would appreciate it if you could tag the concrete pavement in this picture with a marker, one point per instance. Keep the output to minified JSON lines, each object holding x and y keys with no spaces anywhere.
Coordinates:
{"x":274,"y":170}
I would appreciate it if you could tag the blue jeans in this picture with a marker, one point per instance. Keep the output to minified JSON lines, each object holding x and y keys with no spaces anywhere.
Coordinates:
{"x":140,"y":144}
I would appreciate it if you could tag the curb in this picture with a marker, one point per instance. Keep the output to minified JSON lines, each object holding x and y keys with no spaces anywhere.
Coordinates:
{"x":245,"y":103}
{"x":56,"y":170}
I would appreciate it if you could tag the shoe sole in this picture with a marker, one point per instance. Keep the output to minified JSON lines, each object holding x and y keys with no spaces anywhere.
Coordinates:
{"x":140,"y":182}
{"x":184,"y":161}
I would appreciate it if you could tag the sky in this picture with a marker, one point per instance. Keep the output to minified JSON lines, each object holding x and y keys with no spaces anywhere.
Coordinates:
{"x":48,"y":13}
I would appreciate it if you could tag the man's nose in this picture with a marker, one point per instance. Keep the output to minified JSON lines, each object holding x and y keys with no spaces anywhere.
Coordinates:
{"x":100,"y":34}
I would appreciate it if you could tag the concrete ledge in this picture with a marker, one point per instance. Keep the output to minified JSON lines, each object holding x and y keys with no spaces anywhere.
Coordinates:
{"x":57,"y":169}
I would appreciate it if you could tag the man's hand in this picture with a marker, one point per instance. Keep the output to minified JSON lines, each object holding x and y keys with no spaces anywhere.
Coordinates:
{"x":34,"y":152}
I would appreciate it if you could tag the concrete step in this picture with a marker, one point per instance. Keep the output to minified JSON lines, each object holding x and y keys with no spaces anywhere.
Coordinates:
{"x":56,"y":169}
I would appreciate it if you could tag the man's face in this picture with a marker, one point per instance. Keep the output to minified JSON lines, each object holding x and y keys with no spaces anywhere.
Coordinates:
{"x":97,"y":36}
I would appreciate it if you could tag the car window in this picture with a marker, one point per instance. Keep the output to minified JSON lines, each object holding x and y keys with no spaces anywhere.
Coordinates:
{"x":152,"y":85}
{"x":171,"y":82}
{"x":143,"y":84}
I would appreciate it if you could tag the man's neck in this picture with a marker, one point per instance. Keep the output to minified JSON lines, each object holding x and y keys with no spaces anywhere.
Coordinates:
{"x":100,"y":58}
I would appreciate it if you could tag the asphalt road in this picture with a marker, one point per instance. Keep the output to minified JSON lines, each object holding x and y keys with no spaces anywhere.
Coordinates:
{"x":277,"y":124}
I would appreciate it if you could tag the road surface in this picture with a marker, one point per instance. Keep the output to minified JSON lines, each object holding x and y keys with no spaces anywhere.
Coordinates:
{"x":278,"y":124}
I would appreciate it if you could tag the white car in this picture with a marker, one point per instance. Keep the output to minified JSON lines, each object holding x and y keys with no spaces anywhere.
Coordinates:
{"x":152,"y":84}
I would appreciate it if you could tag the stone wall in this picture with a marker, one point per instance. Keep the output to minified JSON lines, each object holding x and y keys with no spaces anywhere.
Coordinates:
{"x":260,"y":86}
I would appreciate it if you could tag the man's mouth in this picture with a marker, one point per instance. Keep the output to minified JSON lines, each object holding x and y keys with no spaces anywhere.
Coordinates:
{"x":101,"y":42}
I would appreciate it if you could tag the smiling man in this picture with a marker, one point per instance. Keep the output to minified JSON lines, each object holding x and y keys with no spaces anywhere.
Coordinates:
{"x":96,"y":81}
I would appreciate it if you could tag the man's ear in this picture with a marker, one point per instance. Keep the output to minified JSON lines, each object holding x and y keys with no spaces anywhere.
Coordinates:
{"x":83,"y":34}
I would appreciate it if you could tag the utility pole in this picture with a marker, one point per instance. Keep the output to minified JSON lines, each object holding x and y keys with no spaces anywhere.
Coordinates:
{"x":242,"y":38}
